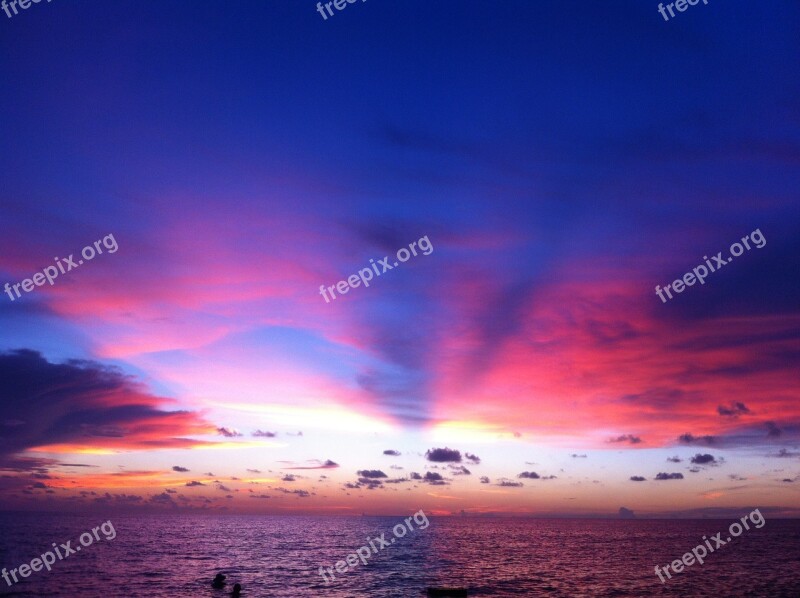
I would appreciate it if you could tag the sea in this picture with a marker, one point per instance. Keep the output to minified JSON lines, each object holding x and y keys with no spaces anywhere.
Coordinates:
{"x":159,"y":556}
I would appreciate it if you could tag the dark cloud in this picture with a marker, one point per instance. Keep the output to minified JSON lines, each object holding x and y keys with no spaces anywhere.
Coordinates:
{"x":264,"y":434}
{"x":327,"y":464}
{"x":577,"y":456}
{"x":669,"y":476}
{"x":638,"y":478}
{"x":784,"y":454}
{"x":443,"y":455}
{"x":705,"y":459}
{"x":415,"y":476}
{"x":162,"y":499}
{"x":475,"y":459}
{"x":179,"y":469}
{"x":530,"y":475}
{"x":371,"y":473}
{"x":391,"y":453}
{"x":254,"y":470}
{"x":629,"y":438}
{"x":260,"y":496}
{"x":485,"y":480}
{"x":773,"y":431}
{"x":460,"y":470}
{"x":699,"y":440}
{"x":85,"y":405}
{"x":194,"y":483}
{"x":288,"y":478}
{"x":509,"y":484}
{"x":735,"y":410}
{"x":626,"y":513}
{"x":298,"y":493}
{"x":434,"y":479}
{"x":675,"y":459}
{"x":370,"y":483}
{"x":229,"y":432}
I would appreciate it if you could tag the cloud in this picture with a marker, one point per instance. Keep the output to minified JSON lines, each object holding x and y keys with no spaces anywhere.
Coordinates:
{"x":298,"y":493}
{"x":773,"y":431}
{"x":460,"y":470}
{"x":629,"y":438}
{"x":415,"y":476}
{"x":475,"y":459}
{"x":675,"y":459}
{"x":735,"y":410}
{"x":254,"y":470}
{"x":509,"y":484}
{"x":701,"y":440}
{"x":638,"y":478}
{"x":288,"y":478}
{"x":194,"y":483}
{"x":327,"y":464}
{"x":530,"y":475}
{"x":577,"y":456}
{"x":443,"y":455}
{"x":705,"y":459}
{"x":179,"y":469}
{"x":229,"y":432}
{"x":260,"y":496}
{"x":391,"y":453}
{"x":626,"y":513}
{"x":82,"y":405}
{"x":371,"y":473}
{"x":784,"y":454}
{"x":434,"y":479}
{"x":264,"y":434}
{"x":669,"y":476}
{"x":485,"y":480}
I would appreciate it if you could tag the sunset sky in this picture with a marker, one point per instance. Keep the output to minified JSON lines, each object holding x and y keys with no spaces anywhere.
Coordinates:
{"x":561,"y":158}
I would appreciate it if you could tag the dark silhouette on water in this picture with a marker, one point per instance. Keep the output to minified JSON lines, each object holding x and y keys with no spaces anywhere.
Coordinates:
{"x":447,"y":593}
{"x":237,"y":590}
{"x":219,"y":581}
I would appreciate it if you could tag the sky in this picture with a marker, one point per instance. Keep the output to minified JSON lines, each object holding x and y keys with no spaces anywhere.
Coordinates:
{"x":519,"y":180}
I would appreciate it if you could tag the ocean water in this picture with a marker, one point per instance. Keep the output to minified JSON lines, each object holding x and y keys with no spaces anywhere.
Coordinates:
{"x":161,"y":556}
